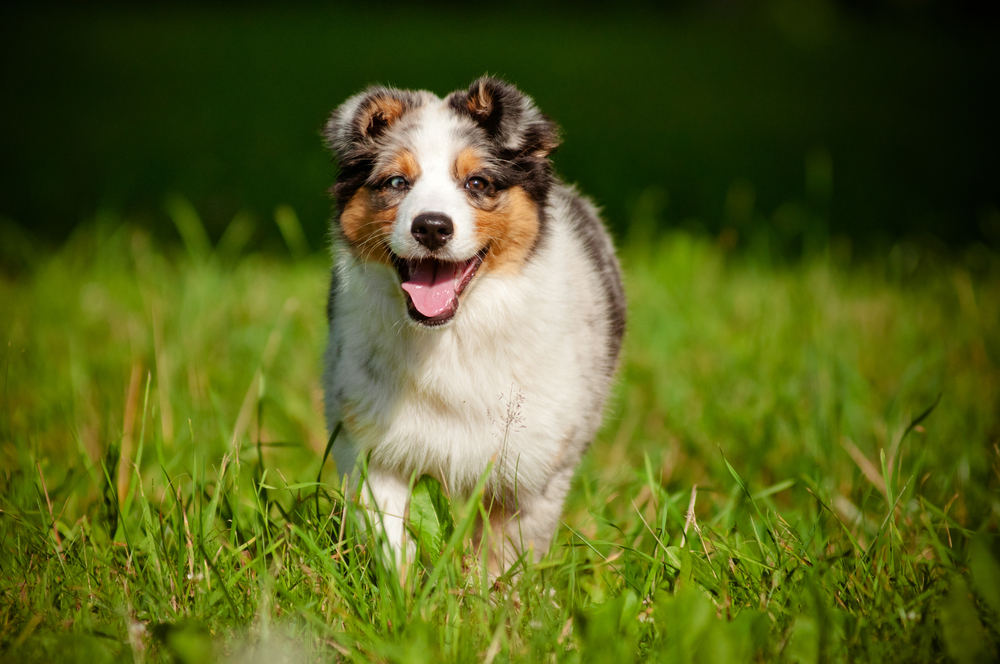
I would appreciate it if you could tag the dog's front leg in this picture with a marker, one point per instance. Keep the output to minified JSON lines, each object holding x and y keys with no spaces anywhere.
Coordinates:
{"x":385,"y":496}
{"x":526,"y":525}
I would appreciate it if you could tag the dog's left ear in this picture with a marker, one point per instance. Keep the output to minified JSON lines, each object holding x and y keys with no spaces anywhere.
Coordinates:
{"x":508,"y":116}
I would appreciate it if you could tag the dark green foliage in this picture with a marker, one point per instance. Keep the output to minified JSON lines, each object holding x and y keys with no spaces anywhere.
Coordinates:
{"x":781,"y":121}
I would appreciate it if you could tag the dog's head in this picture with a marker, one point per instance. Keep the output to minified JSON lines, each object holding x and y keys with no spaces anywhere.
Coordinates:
{"x":441,"y":190}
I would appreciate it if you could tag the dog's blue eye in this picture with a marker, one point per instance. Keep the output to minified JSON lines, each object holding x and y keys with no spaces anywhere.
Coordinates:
{"x":397,"y":182}
{"x":476,"y":184}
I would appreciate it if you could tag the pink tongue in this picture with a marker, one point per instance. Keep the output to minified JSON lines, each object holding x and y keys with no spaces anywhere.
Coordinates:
{"x":432,"y":286}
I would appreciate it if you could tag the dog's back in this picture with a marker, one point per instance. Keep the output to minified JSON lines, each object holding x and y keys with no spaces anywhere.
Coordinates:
{"x":476,"y":310}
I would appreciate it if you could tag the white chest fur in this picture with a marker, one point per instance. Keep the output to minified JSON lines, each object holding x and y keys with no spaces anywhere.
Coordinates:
{"x":513,"y":381}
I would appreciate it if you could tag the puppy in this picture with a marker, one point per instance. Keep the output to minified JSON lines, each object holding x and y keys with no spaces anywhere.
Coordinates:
{"x":476,"y":308}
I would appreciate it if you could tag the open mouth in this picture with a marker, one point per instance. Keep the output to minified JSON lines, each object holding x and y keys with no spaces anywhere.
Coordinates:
{"x":432,"y":286}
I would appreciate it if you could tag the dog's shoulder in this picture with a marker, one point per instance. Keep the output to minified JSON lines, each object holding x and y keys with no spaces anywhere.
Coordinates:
{"x":581,"y":218}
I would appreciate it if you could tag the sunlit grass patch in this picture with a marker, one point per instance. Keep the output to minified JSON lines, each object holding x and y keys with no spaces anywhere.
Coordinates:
{"x":799,"y":463}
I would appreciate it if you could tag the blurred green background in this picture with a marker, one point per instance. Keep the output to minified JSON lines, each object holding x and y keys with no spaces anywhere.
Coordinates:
{"x":806,"y":195}
{"x":793,"y":118}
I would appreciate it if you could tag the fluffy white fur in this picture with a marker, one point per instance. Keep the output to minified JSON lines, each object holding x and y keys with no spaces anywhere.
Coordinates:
{"x":517,"y":379}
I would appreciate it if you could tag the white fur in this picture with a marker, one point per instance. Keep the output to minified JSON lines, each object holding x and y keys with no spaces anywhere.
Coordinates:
{"x":517,"y":379}
{"x":434,"y":145}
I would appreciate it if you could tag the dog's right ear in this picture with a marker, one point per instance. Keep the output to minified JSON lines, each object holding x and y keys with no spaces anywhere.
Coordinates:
{"x":359,"y":122}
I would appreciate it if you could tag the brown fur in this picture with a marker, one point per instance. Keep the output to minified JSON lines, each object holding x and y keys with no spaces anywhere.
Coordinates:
{"x":405,"y":164}
{"x":367,"y":223}
{"x":480,"y":102}
{"x":467,"y":163}
{"x":503,"y":546}
{"x":380,"y":112}
{"x":511,"y":228}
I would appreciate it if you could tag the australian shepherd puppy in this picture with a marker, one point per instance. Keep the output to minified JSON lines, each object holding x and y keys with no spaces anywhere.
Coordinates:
{"x":476,"y":309}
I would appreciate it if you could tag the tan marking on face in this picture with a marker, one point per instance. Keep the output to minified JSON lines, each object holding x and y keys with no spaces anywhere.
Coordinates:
{"x":367,"y":226}
{"x":467,"y":163}
{"x":511,"y":229}
{"x":405,"y":164}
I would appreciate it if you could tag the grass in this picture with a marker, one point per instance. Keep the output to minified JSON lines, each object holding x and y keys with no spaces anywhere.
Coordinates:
{"x":799,"y":464}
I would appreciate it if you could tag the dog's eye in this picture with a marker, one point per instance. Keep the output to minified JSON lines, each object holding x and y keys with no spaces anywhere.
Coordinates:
{"x":396,"y":182}
{"x":476,"y":184}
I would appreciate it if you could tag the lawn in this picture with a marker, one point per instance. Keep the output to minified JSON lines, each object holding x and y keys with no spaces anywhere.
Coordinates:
{"x":800,"y":463}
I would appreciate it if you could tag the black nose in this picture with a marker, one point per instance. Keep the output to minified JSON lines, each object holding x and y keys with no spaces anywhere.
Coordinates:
{"x":432,"y":229}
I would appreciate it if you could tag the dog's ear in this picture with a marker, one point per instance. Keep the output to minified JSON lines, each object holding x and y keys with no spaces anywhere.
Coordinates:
{"x":508,"y":116}
{"x":359,"y":122}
